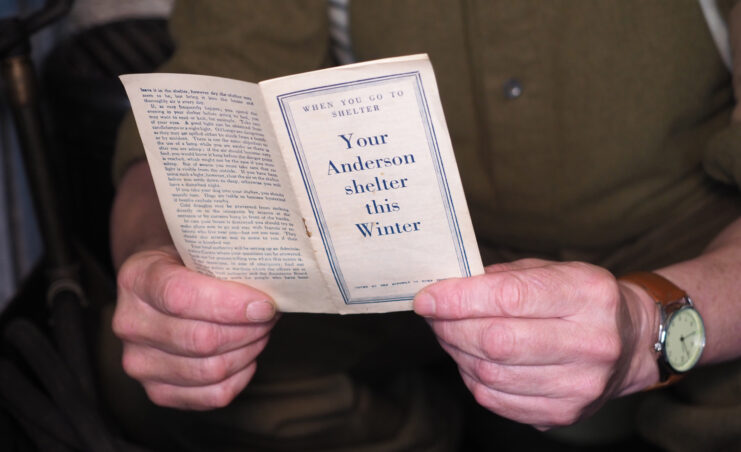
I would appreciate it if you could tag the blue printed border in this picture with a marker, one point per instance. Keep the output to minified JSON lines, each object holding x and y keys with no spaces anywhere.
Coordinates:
{"x":284,"y":101}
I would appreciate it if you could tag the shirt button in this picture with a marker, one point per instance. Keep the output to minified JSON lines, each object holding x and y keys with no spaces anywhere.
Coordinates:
{"x":512,"y":89}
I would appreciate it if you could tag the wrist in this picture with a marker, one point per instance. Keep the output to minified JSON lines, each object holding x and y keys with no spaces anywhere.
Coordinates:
{"x":643,"y":371}
{"x":680,"y":337}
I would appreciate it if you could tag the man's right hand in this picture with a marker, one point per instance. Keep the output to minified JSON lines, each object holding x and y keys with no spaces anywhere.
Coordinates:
{"x":191,"y":340}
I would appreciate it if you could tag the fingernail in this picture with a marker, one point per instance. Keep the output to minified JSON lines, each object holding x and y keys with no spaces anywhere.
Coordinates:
{"x":424,"y":304}
{"x":260,"y":311}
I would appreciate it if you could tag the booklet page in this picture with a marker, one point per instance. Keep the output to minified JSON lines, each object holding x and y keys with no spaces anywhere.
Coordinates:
{"x":367,"y":150}
{"x":222,"y":185}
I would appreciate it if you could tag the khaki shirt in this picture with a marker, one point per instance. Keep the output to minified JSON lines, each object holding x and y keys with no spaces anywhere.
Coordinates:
{"x":620,"y":104}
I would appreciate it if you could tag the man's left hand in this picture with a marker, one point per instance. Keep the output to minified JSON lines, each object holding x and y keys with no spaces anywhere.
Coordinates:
{"x":544,"y":343}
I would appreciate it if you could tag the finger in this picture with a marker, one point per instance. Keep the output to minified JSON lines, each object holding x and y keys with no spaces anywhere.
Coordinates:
{"x":550,"y":381}
{"x":542,"y":412}
{"x":168,"y":286}
{"x":137,"y":322}
{"x":556,"y":290}
{"x":529,"y":342}
{"x":515,"y":265}
{"x":203,"y":397}
{"x":152,"y":365}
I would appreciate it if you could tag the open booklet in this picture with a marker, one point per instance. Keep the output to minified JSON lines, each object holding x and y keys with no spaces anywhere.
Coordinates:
{"x":333,"y":191}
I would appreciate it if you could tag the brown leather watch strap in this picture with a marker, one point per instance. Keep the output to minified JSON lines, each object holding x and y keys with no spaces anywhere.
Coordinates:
{"x":661,"y":289}
{"x":664,"y":292}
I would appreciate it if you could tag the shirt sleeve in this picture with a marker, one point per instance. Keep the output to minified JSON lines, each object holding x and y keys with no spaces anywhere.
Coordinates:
{"x":246,"y":40}
{"x":722,"y":159}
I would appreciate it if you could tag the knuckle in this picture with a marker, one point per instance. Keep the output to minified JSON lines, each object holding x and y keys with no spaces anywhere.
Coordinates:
{"x":487,"y":373}
{"x":585,"y":269}
{"x":608,"y":289}
{"x":122,"y":326}
{"x":174,"y":294}
{"x":159,"y":396}
{"x":219,"y":396}
{"x":498,"y":344}
{"x":204,"y":339}
{"x":130,"y":363}
{"x":510,"y":294}
{"x":212,"y":370}
{"x":601,"y":282}
{"x":126,"y":276}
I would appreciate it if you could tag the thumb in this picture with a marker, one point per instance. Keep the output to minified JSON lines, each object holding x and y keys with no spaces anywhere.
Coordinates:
{"x":534,"y":292}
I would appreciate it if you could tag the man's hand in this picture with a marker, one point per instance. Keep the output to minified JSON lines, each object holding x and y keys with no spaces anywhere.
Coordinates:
{"x":544,"y":343}
{"x":189,"y":339}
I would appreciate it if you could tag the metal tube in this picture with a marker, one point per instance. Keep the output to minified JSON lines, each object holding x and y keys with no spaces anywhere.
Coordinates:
{"x":20,"y":79}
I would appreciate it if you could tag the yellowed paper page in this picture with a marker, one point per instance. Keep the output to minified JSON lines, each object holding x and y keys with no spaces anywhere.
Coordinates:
{"x":222,"y":185}
{"x":370,"y":159}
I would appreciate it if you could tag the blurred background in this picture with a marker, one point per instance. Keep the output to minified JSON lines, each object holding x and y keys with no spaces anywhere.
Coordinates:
{"x":78,"y":58}
{"x":60,"y":106}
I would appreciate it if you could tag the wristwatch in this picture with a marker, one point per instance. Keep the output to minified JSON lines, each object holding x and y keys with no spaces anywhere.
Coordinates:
{"x":681,"y":336}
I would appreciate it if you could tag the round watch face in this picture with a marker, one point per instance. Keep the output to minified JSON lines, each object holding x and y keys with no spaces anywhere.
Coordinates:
{"x":685,"y":339}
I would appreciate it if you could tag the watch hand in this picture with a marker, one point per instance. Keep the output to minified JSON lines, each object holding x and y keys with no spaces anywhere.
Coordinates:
{"x":684,"y":346}
{"x":694,"y":332}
